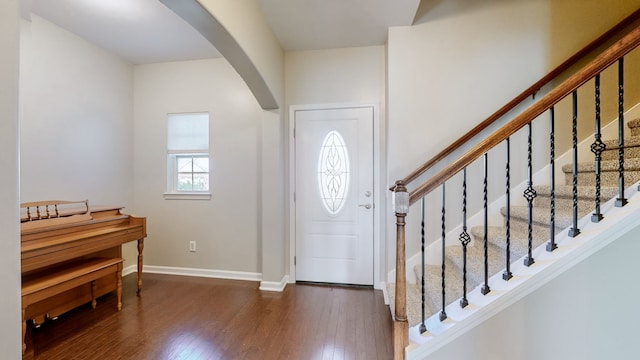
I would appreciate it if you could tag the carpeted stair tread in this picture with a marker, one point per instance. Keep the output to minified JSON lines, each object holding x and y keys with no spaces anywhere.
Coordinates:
{"x":631,"y":148}
{"x":631,"y":164}
{"x":584,"y":192}
{"x":564,"y":196}
{"x":433,"y":284}
{"x":475,"y":261}
{"x":414,"y":300}
{"x":518,"y":236}
{"x":628,"y":142}
{"x":542,"y":216}
{"x":634,"y":126}
{"x":608,"y":175}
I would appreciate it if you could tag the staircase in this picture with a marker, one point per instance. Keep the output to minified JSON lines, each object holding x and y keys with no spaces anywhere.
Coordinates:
{"x":470,"y":270}
{"x":519,"y":228}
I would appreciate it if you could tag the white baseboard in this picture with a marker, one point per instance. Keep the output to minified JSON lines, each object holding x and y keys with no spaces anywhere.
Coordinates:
{"x":130,"y":270}
{"x":274,"y":285}
{"x":385,"y":294}
{"x":218,"y":274}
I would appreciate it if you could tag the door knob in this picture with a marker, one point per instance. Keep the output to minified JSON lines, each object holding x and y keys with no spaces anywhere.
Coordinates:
{"x":366,"y":206}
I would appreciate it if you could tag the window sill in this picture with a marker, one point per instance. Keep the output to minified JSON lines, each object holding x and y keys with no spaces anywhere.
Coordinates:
{"x":187,"y":196}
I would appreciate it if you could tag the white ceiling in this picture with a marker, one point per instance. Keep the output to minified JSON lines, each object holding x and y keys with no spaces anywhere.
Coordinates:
{"x":327,"y":24}
{"x":146,"y":31}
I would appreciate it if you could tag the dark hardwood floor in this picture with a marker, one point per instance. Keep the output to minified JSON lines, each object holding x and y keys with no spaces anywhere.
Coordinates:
{"x":190,"y":318}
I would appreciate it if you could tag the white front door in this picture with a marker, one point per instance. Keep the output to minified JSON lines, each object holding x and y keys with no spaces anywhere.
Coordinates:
{"x":334,"y":195}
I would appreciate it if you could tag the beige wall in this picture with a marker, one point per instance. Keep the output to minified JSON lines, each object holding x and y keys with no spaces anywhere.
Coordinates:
{"x":226,"y":228}
{"x":258,"y":48}
{"x":335,"y":76}
{"x":573,"y":25}
{"x":10,"y":332}
{"x":76,"y":124}
{"x":446,"y":74}
{"x":76,"y":120}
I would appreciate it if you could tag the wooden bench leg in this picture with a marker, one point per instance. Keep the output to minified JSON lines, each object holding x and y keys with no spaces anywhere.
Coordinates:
{"x":119,"y":285}
{"x":24,"y":330}
{"x":93,"y":294}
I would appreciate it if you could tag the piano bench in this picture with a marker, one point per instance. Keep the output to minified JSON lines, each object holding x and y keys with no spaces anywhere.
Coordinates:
{"x":46,"y":284}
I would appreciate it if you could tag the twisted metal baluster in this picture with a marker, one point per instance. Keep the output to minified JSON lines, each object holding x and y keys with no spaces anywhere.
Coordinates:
{"x":443,"y":314}
{"x":507,"y":272}
{"x":551,"y":245}
{"x":464,"y":239}
{"x":621,"y":200}
{"x":423,"y":327}
{"x":529,"y":194}
{"x":485,"y":288}
{"x":597,"y":148}
{"x":574,"y":231}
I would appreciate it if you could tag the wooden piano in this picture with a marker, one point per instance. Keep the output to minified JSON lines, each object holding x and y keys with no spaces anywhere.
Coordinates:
{"x":72,"y":254}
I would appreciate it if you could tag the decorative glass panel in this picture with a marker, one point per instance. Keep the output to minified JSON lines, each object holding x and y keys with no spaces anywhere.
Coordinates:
{"x":333,"y":172}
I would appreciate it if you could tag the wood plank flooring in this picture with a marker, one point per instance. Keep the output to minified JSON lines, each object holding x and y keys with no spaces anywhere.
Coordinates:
{"x":177,"y":317}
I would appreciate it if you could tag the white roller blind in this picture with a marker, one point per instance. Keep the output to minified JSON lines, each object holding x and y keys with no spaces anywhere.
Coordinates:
{"x":188,"y":131}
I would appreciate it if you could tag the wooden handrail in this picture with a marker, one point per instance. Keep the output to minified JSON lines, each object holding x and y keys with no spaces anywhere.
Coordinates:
{"x":530,"y":91}
{"x":600,"y":63}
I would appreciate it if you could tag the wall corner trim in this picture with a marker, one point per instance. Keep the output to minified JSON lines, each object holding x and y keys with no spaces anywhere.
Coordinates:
{"x":274,"y":285}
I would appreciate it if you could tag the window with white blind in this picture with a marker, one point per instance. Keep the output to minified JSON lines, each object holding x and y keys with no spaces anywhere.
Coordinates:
{"x":188,"y":156}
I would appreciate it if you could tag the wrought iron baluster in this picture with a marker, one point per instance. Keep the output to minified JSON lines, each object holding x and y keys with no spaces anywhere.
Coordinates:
{"x":443,"y":313}
{"x":574,"y":231}
{"x":464,"y":239}
{"x":507,"y":272}
{"x":551,"y":245}
{"x":423,"y":327}
{"x":485,"y":288}
{"x":529,"y":194}
{"x":597,"y":148}
{"x":621,"y":200}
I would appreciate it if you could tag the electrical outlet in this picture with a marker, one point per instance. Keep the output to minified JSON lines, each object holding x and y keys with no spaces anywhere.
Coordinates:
{"x":192,"y":246}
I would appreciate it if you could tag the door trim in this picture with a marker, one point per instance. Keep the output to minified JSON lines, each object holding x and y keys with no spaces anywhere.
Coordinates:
{"x":380,"y":204}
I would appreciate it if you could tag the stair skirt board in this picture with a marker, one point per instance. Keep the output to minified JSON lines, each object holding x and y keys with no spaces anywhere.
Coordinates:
{"x":548,"y":265}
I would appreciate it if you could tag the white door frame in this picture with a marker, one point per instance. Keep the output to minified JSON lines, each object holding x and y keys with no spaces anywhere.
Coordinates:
{"x":379,"y":197}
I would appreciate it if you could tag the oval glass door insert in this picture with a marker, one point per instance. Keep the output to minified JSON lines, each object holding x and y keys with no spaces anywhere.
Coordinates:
{"x":333,"y":172}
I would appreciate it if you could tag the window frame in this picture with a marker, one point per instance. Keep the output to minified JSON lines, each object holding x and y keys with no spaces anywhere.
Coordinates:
{"x":173,"y":193}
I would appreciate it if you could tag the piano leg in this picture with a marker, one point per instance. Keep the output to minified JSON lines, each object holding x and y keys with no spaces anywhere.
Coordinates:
{"x":140,"y":248}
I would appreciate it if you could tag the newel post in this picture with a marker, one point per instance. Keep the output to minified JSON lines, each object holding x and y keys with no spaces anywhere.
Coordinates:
{"x":400,"y":324}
